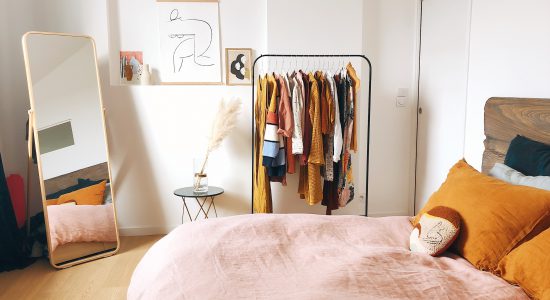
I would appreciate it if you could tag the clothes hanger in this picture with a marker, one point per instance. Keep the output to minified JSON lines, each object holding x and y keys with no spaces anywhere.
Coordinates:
{"x":317,"y":62}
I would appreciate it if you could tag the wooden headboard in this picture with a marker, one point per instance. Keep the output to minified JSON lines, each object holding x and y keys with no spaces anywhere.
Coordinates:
{"x":96,"y":172}
{"x":507,"y":117}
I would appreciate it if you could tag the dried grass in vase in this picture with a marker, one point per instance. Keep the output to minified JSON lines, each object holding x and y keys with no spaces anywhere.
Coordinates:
{"x":224,"y":122}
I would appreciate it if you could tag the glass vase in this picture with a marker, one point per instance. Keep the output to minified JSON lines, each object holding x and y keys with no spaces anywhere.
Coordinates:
{"x":200,"y":177}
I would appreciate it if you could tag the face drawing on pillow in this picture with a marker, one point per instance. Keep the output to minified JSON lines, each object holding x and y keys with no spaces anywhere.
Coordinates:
{"x":436,"y":231}
{"x":435,"y":235}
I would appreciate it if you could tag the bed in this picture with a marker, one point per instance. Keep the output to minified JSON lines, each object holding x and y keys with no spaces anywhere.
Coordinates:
{"x":77,"y":231}
{"x":328,"y":257}
{"x":80,"y":230}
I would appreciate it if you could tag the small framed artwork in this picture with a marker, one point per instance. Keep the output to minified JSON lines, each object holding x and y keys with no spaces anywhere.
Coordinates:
{"x":131,"y":67}
{"x":238,"y":66}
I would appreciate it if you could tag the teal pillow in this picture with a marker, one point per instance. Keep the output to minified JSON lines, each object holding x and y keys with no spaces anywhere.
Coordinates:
{"x":529,"y":157}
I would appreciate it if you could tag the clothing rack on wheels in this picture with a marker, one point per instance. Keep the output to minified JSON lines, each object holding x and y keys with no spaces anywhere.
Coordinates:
{"x":368,"y":113}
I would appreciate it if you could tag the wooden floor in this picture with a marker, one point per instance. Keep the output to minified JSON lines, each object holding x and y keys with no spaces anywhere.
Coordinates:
{"x":107,"y":278}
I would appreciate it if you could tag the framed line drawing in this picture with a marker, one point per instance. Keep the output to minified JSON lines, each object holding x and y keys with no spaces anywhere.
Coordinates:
{"x":238,"y":65}
{"x":189,"y":41}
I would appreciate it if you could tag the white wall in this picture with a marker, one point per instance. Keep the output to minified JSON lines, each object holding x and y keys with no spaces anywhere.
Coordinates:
{"x":387,"y":36}
{"x":443,"y":89}
{"x":14,"y":101}
{"x":338,"y":33}
{"x":155,"y":130}
{"x":69,"y":92}
{"x":170,"y":123}
{"x":390,"y":40}
{"x":509,"y":57}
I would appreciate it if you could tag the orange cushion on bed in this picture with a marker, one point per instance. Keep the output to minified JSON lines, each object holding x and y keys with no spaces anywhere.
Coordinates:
{"x":495,"y":215}
{"x":529,"y":266}
{"x":92,"y":195}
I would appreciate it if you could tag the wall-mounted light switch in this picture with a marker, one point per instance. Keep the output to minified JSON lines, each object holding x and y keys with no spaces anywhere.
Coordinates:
{"x":402,"y":97}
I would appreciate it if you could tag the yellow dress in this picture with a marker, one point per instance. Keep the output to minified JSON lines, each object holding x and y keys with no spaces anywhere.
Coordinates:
{"x":356,"y":84}
{"x":262,"y":188}
{"x":316,"y":159}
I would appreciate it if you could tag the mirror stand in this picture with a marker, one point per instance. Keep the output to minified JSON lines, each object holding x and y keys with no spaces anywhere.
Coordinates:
{"x":68,"y":139}
{"x":30,"y":163}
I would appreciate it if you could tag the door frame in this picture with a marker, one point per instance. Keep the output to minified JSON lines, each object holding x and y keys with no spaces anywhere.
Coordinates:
{"x":418,"y":50}
{"x":416,"y":105}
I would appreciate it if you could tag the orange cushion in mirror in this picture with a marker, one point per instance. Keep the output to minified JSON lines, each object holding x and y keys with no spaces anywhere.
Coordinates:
{"x":92,"y":195}
{"x":495,"y":215}
{"x":529,"y":266}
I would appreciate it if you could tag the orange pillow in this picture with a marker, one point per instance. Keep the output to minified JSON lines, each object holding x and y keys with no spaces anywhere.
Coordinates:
{"x":51,"y":202}
{"x":529,"y":266}
{"x":495,"y":215}
{"x":92,"y":195}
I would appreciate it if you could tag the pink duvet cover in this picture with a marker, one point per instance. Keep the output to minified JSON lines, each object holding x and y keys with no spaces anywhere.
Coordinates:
{"x":81,"y":223}
{"x":305,"y":257}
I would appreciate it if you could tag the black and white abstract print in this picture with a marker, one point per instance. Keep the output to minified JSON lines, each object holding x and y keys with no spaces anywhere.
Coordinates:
{"x":189,"y":41}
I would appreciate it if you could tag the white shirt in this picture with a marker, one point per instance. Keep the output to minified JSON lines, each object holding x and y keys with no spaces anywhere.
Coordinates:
{"x":297,"y":108}
{"x":338,"y":139}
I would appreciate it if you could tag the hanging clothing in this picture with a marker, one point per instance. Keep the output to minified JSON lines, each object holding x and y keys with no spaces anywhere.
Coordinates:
{"x":297,"y":112}
{"x":314,"y":193}
{"x":332,"y":189}
{"x":355,"y":84}
{"x":307,"y":128}
{"x":286,"y":122}
{"x":324,"y":105}
{"x":337,"y":137}
{"x":262,"y":188}
{"x":274,"y":156}
{"x":329,"y":92}
{"x":12,"y":253}
{"x":309,"y":118}
{"x":347,"y":190}
{"x":303,"y":186}
{"x":328,"y":138}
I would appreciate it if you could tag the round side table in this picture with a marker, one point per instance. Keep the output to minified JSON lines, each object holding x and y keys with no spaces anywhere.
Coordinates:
{"x":187,"y":192}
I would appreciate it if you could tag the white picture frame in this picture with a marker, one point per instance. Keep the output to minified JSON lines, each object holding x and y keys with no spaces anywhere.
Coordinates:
{"x":189,"y":42}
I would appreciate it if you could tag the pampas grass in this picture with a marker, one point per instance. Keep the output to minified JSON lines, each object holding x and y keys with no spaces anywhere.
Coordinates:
{"x":224,"y":122}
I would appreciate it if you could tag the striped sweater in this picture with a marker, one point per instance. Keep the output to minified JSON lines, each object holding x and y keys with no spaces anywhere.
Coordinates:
{"x":274,"y":158}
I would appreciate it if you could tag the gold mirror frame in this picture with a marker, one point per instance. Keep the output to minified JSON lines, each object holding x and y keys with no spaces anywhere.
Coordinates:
{"x":33,"y":129}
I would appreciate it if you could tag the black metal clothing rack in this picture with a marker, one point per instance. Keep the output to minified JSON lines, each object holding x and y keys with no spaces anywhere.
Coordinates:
{"x":368,"y":114}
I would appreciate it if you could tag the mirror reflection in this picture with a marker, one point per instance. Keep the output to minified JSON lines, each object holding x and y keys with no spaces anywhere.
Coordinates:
{"x":72,"y":148}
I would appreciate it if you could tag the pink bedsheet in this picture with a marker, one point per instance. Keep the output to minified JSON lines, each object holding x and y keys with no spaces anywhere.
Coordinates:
{"x":305,"y":257}
{"x":81,"y":223}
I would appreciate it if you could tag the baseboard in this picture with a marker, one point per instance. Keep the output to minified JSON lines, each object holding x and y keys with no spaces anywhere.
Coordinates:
{"x":139,"y":231}
{"x":388,"y":214}
{"x":158,"y":230}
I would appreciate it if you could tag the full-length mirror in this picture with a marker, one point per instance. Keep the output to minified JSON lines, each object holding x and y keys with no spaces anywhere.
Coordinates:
{"x":73,"y":159}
